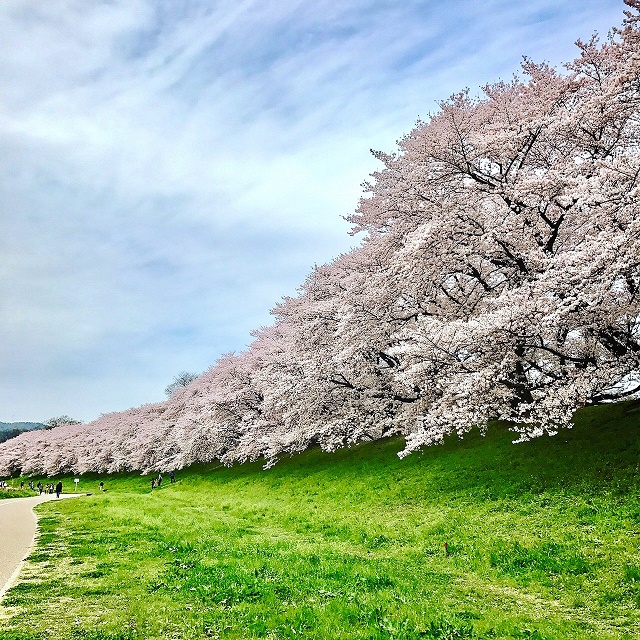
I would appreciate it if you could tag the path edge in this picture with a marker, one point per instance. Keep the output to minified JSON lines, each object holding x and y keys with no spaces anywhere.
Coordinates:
{"x":13,"y":578}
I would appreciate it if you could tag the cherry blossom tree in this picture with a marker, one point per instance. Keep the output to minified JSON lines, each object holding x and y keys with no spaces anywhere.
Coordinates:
{"x":498,"y":277}
{"x":512,"y":243}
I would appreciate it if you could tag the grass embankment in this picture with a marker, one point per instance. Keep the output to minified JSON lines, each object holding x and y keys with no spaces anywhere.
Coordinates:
{"x":542,"y":543}
{"x":15,"y":493}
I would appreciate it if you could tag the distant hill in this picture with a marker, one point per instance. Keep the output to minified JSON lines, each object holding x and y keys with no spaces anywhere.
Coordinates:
{"x":22,"y":426}
{"x":10,"y":430}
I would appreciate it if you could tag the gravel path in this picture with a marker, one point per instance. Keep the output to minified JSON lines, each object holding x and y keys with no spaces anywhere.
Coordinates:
{"x":18,"y":524}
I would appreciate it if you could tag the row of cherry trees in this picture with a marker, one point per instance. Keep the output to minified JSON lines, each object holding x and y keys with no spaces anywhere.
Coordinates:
{"x":498,"y":278}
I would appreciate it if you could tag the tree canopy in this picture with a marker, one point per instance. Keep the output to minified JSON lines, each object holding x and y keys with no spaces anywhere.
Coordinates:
{"x":183,"y":379}
{"x":60,"y":421}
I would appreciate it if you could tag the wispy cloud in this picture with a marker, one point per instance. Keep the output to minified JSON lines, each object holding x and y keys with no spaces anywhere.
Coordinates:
{"x":169,"y":169}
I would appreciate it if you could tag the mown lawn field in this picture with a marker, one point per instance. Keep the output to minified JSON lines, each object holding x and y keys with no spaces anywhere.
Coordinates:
{"x":542,"y":543}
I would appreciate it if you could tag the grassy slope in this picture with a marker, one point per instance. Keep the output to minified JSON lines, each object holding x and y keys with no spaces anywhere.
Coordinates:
{"x":542,"y":538}
{"x":15,"y":493}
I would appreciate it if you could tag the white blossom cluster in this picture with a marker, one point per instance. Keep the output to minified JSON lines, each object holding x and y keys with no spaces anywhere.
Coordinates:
{"x":498,"y":278}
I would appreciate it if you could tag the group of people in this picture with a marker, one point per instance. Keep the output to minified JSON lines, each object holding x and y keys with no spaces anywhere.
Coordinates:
{"x":51,"y":488}
{"x":48,"y":488}
{"x":157,"y":482}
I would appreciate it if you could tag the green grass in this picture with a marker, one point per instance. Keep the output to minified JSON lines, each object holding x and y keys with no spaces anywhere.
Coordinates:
{"x":542,"y":544}
{"x":14,"y":492}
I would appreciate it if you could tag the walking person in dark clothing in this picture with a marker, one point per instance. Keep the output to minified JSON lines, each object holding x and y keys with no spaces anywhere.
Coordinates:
{"x":39,"y":488}
{"x":58,"y":488}
{"x":172,"y":477}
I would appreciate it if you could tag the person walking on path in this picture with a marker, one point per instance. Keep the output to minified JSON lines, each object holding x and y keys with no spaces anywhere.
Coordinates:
{"x":58,"y":488}
{"x":39,"y":488}
{"x":172,"y":477}
{"x":159,"y":480}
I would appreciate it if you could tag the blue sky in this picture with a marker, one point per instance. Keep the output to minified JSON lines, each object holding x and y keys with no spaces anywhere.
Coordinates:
{"x":169,"y":169}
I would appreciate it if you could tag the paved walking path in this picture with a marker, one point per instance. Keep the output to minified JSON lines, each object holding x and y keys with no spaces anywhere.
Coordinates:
{"x":18,"y":524}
